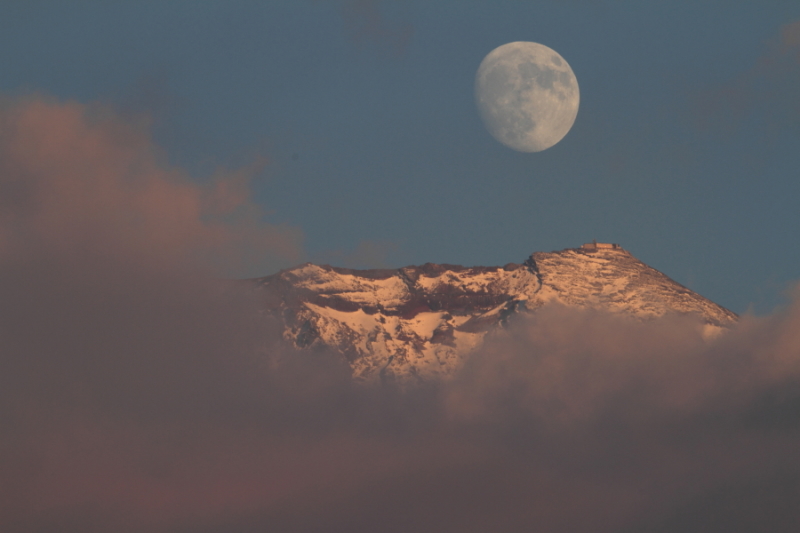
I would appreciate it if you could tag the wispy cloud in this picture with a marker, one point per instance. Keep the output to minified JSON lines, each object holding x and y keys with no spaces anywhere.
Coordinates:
{"x":367,"y":254}
{"x":764,"y":94}
{"x":367,"y":24}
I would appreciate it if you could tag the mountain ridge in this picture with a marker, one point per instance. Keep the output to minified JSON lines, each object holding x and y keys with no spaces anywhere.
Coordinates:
{"x":420,"y":322}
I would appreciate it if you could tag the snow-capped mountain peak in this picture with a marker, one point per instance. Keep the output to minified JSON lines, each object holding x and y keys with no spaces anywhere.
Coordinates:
{"x":421,"y":321}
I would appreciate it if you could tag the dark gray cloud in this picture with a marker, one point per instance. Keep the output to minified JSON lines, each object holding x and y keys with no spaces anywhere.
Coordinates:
{"x":140,"y":393}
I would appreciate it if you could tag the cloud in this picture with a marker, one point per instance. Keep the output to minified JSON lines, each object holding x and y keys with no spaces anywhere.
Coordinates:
{"x":367,"y":24}
{"x":790,"y":38}
{"x":629,"y":426}
{"x":81,"y":180}
{"x":764,"y":95}
{"x":367,"y":254}
{"x":140,"y":393}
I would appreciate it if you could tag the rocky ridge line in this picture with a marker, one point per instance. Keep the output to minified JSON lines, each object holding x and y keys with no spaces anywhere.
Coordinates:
{"x":419,"y":322}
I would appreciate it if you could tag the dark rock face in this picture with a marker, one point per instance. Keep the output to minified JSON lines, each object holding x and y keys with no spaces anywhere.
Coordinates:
{"x":421,"y":321}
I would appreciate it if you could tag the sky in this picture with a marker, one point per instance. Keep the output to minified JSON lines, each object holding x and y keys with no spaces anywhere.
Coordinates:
{"x":684,"y":149}
{"x":150,"y":151}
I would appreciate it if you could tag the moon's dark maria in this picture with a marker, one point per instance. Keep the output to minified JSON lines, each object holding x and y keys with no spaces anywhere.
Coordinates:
{"x":527,"y":95}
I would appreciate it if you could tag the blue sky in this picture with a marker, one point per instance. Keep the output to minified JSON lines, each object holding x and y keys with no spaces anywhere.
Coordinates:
{"x":685,"y":149}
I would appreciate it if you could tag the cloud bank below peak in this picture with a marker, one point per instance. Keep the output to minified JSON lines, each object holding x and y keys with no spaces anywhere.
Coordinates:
{"x":139,"y":392}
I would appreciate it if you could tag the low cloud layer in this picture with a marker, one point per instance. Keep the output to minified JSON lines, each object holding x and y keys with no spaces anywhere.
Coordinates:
{"x":140,"y":393}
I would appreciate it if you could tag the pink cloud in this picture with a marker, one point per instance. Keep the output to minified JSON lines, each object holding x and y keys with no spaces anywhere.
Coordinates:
{"x":82,"y":180}
{"x":138,"y":393}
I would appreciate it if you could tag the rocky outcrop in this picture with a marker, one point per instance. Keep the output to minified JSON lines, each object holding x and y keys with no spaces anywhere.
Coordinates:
{"x":419,"y":322}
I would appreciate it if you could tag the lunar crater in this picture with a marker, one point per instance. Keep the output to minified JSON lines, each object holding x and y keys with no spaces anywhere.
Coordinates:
{"x":527,"y":96}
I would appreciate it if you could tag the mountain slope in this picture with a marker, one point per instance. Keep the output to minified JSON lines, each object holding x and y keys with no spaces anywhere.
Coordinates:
{"x":421,"y":321}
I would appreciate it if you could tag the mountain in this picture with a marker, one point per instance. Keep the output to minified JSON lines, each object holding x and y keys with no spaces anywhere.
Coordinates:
{"x":419,"y":322}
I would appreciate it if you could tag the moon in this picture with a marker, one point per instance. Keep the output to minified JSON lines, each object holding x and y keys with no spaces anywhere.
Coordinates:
{"x":527,"y":95}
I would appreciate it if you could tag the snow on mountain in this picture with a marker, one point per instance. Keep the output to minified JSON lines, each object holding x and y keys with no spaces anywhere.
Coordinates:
{"x":420,"y":322}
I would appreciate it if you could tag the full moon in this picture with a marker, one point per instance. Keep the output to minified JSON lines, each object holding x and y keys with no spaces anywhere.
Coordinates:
{"x":527,"y":95}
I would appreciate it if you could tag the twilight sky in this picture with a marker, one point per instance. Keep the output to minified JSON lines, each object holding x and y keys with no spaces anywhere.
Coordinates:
{"x":685,"y":149}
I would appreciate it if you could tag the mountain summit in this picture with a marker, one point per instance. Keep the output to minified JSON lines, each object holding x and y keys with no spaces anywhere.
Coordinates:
{"x":421,"y":321}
